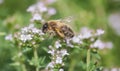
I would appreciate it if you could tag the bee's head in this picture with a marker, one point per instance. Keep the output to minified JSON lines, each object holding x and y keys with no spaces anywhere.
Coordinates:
{"x":45,"y":28}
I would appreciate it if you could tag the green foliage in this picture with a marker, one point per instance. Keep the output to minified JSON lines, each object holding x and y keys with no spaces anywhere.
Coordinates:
{"x":90,"y":13}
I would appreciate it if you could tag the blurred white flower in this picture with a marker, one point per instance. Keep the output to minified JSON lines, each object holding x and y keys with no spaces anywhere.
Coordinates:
{"x":1,"y":1}
{"x":64,"y":52}
{"x":31,"y":29}
{"x":40,"y":32}
{"x":57,"y":44}
{"x":24,"y":30}
{"x":35,"y":30}
{"x":99,"y":32}
{"x":85,"y":33}
{"x":36,"y":17}
{"x":50,"y":65}
{"x":9,"y":37}
{"x":114,"y":21}
{"x":51,"y":11}
{"x":58,"y":60}
{"x":27,"y":29}
{"x":114,"y":69}
{"x":31,"y":9}
{"x":56,"y":54}
{"x":25,"y":38}
{"x":52,"y":52}
{"x":61,"y":69}
{"x":109,"y":45}
{"x":41,"y":10}
{"x":101,"y":45}
{"x":76,"y":39}
{"x":31,"y":26}
{"x":38,"y":7}
{"x":68,"y":43}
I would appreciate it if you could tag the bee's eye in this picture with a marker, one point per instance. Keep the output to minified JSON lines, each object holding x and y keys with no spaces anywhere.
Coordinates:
{"x":44,"y":28}
{"x":45,"y":25}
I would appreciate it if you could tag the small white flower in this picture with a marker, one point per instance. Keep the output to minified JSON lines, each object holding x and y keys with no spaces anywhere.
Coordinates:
{"x":31,"y":9}
{"x":38,"y":7}
{"x":41,"y":7}
{"x":40,"y":32}
{"x":25,"y":38}
{"x":80,"y":36}
{"x":35,"y":30}
{"x":9,"y":37}
{"x":99,"y":32}
{"x":61,"y":69}
{"x":85,"y":33}
{"x":114,"y":21}
{"x":50,"y":47}
{"x":64,"y":52}
{"x":36,"y":17}
{"x":57,"y":44}
{"x":24,"y":30}
{"x":68,"y":43}
{"x":50,"y":65}
{"x":114,"y":69}
{"x":99,"y":44}
{"x":31,"y":26}
{"x":109,"y":45}
{"x":51,"y":11}
{"x":58,"y":60}
{"x":75,"y":39}
{"x":52,"y":52}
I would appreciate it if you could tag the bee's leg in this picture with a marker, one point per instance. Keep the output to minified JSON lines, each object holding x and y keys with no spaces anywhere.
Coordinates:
{"x":59,"y":33}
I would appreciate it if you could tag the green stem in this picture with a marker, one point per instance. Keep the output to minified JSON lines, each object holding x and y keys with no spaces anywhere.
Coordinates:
{"x":88,"y":59}
{"x":23,"y":67}
{"x":56,"y":69}
{"x":72,"y":65}
{"x":2,"y":33}
{"x":21,"y":62}
{"x":36,"y":59}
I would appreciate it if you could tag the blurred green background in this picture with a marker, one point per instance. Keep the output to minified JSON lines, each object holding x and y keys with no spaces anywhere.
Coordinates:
{"x":91,"y":13}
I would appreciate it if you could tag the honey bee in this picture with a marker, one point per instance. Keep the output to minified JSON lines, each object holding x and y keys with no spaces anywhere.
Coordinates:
{"x":60,"y":28}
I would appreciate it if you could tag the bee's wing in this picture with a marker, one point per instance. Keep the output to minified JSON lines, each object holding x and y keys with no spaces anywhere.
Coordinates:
{"x":67,"y":20}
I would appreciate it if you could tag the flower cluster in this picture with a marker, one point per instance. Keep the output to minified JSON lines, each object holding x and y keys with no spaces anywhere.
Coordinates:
{"x":57,"y":56}
{"x":90,"y":37}
{"x":27,"y":35}
{"x":101,"y":45}
{"x":41,"y":10}
{"x":9,"y":37}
